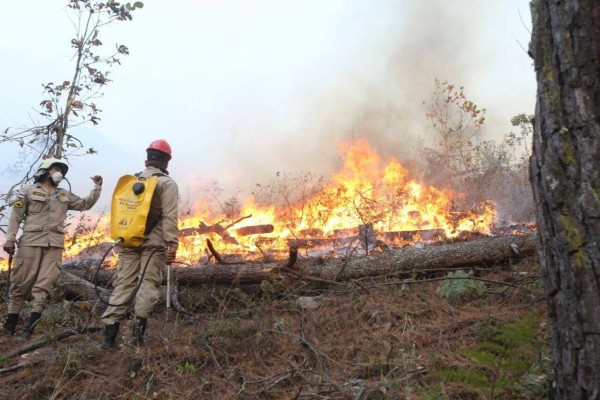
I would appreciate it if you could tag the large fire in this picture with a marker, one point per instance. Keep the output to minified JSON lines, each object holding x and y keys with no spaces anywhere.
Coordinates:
{"x":365,"y":193}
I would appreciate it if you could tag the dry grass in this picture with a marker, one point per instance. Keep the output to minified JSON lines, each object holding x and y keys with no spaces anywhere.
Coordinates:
{"x":369,"y":340}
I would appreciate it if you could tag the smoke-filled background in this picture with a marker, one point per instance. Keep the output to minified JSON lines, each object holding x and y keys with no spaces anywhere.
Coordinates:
{"x":245,"y":89}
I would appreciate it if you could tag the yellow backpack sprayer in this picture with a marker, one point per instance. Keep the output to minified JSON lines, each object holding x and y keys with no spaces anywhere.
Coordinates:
{"x":129,"y":210}
{"x":129,"y":221}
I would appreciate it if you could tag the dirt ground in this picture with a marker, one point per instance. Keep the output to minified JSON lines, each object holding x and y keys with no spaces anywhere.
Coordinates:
{"x":384,"y":338}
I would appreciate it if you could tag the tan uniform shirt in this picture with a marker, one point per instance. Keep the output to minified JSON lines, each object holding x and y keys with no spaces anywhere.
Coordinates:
{"x":161,"y":230}
{"x":163,"y":214}
{"x":45,"y":213}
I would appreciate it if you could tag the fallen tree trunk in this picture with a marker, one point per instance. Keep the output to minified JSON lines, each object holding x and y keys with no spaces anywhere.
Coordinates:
{"x":80,"y":288}
{"x":485,"y":251}
{"x":87,"y":270}
{"x":236,"y":274}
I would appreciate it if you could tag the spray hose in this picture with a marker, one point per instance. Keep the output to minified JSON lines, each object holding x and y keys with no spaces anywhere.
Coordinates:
{"x":140,"y":279}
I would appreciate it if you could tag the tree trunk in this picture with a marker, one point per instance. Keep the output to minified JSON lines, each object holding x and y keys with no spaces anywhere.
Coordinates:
{"x":565,"y":176}
{"x":80,"y":288}
{"x":484,"y":251}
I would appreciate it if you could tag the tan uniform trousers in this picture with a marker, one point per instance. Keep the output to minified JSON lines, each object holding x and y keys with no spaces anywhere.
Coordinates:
{"x":131,"y":265}
{"x":35,"y":270}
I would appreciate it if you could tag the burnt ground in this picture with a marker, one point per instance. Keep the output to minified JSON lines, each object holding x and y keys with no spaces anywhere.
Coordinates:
{"x":378,"y":338}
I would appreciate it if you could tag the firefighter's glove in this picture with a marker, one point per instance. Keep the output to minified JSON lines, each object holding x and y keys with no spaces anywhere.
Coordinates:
{"x":170,"y":254}
{"x":9,"y":247}
{"x":97,"y":180}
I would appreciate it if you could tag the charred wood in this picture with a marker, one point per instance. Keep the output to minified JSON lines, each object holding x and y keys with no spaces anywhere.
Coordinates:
{"x":216,"y":254}
{"x":414,"y":236}
{"x":205,"y":229}
{"x":308,"y":233}
{"x":254,"y":230}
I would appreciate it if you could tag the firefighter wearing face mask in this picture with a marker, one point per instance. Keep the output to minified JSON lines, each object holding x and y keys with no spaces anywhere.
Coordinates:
{"x":37,"y":264}
{"x":158,"y":248}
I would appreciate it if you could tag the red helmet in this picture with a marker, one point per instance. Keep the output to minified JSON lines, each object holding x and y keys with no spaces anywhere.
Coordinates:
{"x":160,"y":145}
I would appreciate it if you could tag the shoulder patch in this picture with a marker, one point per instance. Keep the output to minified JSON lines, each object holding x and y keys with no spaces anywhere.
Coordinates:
{"x":18,"y":204}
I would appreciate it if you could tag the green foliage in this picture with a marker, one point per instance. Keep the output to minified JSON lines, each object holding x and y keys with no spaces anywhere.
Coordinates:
{"x":433,"y":392}
{"x":187,"y":367}
{"x":508,"y":362}
{"x":459,"y":285}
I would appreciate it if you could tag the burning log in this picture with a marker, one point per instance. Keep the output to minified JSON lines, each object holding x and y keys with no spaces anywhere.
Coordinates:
{"x":414,"y":236}
{"x":254,"y":230}
{"x":309,"y":243}
{"x":345,"y":232}
{"x":293,"y":255}
{"x":204,"y":229}
{"x":308,"y":233}
{"x":222,"y":231}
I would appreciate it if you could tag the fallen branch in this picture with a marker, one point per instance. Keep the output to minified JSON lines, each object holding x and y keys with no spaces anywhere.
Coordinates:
{"x":47,"y":340}
{"x":216,"y":254}
{"x":19,"y":366}
{"x":218,"y":365}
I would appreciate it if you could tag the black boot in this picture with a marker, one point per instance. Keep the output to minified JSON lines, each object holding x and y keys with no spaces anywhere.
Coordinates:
{"x":11,"y":324}
{"x":110,"y":336}
{"x":139,"y":328}
{"x":31,"y":323}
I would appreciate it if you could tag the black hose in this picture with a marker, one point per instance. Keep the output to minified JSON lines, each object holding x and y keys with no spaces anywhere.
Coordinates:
{"x":69,"y":183}
{"x":140,"y":279}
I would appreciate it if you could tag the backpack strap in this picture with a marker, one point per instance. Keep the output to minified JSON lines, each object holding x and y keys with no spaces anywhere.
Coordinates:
{"x":152,"y":225}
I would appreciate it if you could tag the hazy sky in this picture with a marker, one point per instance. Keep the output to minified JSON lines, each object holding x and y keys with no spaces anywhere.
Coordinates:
{"x":244,"y":88}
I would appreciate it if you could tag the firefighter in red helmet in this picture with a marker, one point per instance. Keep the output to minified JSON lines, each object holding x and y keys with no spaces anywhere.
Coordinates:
{"x":160,"y":145}
{"x":161,"y":231}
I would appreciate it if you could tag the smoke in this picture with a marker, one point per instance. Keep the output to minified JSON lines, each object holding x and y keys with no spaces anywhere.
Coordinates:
{"x":272,"y":87}
{"x":379,"y":99}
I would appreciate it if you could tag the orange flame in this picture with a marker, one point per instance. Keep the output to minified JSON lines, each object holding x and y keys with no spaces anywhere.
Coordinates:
{"x":363,"y":192}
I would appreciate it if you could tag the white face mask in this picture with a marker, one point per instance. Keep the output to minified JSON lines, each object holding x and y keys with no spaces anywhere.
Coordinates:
{"x":57,"y":177}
